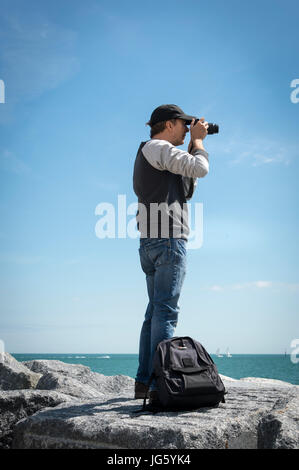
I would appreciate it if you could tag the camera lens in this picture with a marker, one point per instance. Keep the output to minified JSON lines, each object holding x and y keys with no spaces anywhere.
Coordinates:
{"x":213,"y":128}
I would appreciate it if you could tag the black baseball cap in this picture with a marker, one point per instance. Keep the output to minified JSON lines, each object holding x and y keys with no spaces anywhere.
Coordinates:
{"x":165,"y":112}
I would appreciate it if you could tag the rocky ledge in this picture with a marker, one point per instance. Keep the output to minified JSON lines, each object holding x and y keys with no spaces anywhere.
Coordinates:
{"x":53,"y":405}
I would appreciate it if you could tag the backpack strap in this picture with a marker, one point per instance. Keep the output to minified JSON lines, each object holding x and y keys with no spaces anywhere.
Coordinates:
{"x":148,"y":386}
{"x":223,"y":399}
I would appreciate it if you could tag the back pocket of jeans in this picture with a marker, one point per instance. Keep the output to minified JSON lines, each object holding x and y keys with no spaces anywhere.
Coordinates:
{"x":158,"y":252}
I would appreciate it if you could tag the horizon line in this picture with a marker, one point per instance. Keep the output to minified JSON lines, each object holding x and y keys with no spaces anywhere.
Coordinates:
{"x":136,"y":354}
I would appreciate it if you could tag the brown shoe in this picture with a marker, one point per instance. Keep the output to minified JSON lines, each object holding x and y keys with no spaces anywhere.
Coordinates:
{"x":141,"y":390}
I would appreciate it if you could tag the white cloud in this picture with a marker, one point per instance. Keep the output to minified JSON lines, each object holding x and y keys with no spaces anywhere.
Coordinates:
{"x":294,"y":287}
{"x":258,"y":151}
{"x":262,"y":284}
{"x":216,"y":288}
{"x":257,"y":284}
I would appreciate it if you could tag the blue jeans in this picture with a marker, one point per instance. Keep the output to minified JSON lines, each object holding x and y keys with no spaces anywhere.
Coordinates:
{"x":163,"y":260}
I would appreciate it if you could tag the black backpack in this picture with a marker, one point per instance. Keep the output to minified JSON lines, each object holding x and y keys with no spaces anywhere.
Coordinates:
{"x":186,"y":375}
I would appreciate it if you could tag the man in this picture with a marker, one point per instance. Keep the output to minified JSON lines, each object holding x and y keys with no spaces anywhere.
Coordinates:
{"x":164,"y":179}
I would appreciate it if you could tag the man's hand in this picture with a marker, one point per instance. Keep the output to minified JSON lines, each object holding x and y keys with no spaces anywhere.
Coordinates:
{"x":199,"y":130}
{"x":197,"y":133}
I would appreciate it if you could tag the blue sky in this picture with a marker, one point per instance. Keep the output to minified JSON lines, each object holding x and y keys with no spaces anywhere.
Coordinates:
{"x":81,"y":79}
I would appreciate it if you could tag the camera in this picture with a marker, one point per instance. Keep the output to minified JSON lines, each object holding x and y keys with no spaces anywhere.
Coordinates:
{"x":212,"y":129}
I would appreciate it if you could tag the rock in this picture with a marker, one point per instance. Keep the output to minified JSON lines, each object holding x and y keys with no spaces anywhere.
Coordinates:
{"x":56,"y":382}
{"x":73,"y":407}
{"x":228,"y":379}
{"x":254,"y":416}
{"x":18,"y":404}
{"x":68,"y":385}
{"x":257,"y":382}
{"x":267,"y":382}
{"x":280,"y":429}
{"x":43,"y":366}
{"x":77,"y":380}
{"x":14,"y":375}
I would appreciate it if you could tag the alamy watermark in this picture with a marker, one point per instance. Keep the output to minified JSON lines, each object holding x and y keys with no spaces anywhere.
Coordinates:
{"x":2,"y":91}
{"x":295,"y":93}
{"x":154,"y":220}
{"x":295,"y":352}
{"x":2,"y":349}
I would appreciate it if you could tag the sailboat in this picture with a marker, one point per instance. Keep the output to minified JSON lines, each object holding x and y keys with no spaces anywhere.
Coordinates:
{"x":228,"y":353}
{"x":218,"y":353}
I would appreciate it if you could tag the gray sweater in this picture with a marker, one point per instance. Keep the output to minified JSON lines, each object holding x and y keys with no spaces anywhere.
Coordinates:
{"x":164,"y":180}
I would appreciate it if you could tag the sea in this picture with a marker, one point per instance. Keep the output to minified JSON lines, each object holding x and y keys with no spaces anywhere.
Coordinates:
{"x":270,"y":366}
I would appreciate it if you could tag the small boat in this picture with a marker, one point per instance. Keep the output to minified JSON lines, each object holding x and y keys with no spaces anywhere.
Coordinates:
{"x":228,"y":353}
{"x":218,"y":353}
